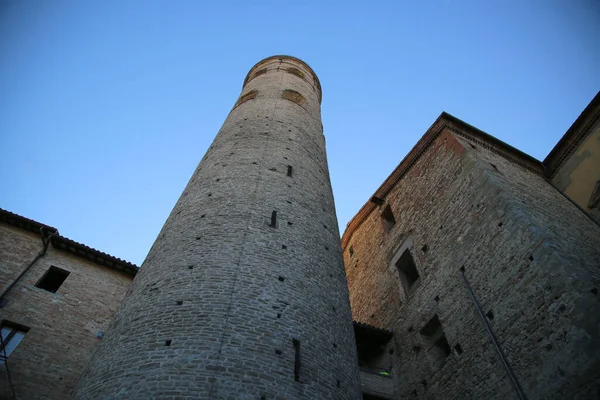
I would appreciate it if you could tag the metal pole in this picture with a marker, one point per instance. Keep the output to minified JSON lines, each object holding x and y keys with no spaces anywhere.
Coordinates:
{"x":488,"y":328}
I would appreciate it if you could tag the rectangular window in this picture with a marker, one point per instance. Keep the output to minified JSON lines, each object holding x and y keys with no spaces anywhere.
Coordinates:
{"x":12,"y":334}
{"x":273,"y":219}
{"x":52,"y":279}
{"x":433,"y":335}
{"x":388,"y":217}
{"x":408,"y":270}
{"x":296,"y":343}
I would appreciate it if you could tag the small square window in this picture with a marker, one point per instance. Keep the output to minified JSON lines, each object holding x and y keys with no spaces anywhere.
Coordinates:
{"x":52,"y":279}
{"x":408,"y":270}
{"x":12,"y":334}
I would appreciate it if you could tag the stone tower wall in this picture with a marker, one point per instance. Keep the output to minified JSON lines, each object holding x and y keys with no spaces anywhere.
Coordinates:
{"x":531,"y":258}
{"x":225,"y":301}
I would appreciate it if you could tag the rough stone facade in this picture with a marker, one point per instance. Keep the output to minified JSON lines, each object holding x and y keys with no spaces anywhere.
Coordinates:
{"x":243,"y":294}
{"x":464,"y":199}
{"x":63,"y":326}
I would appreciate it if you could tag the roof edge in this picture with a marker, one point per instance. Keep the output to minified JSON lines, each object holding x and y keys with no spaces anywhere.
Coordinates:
{"x":70,"y":246}
{"x":381,"y":331}
{"x":573,"y":137}
{"x":449,"y":122}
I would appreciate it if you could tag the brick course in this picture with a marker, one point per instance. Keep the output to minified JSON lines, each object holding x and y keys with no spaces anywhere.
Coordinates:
{"x":227,"y":290}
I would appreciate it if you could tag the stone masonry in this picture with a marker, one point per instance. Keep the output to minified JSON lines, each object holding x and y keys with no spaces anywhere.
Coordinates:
{"x":464,"y":199}
{"x":63,"y":327}
{"x":243,"y":294}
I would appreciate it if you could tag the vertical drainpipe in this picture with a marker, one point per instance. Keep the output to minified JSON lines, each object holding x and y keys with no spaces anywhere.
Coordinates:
{"x":488,"y":328}
{"x":45,"y":243}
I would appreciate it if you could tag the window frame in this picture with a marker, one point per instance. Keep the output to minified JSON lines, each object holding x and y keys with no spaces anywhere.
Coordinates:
{"x":407,"y":245}
{"x":54,"y":270}
{"x":14,"y":329}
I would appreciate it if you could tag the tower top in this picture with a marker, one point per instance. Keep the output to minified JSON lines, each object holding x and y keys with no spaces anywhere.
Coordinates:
{"x":282,"y":58}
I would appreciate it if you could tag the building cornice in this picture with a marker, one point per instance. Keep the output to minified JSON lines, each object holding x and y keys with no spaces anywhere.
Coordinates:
{"x":445,"y":122}
{"x":68,"y":245}
{"x":575,"y":135}
{"x":281,"y":58}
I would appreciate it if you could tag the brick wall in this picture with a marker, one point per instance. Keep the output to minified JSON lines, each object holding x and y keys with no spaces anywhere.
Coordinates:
{"x":531,"y":258}
{"x":222,"y":295}
{"x":62,"y":325}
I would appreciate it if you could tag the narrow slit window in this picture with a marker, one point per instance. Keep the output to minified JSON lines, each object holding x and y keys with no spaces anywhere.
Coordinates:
{"x":52,"y":279}
{"x":351,"y":251}
{"x":289,"y":170}
{"x":274,"y":219}
{"x":296,"y":360}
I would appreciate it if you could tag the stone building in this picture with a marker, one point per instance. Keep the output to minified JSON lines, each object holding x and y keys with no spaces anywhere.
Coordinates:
{"x":470,"y":242}
{"x":472,"y":272}
{"x":243,"y":294}
{"x":58,"y":297}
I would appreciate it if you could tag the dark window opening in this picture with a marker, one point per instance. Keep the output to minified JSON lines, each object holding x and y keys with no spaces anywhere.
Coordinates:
{"x":289,"y":170}
{"x":458,"y":349}
{"x":351,"y":251}
{"x":424,"y":248}
{"x":11,"y":334}
{"x":490,"y":315}
{"x":388,"y":217}
{"x":52,"y":279}
{"x":296,"y":343}
{"x":438,"y":348}
{"x":367,"y":396}
{"x":274,"y":219}
{"x":168,"y":342}
{"x":408,"y":270}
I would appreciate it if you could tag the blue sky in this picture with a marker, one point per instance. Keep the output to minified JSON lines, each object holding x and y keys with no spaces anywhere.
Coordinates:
{"x":106,"y":107}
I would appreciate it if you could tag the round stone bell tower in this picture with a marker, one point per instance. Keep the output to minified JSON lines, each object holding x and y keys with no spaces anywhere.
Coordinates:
{"x":243,"y":294}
